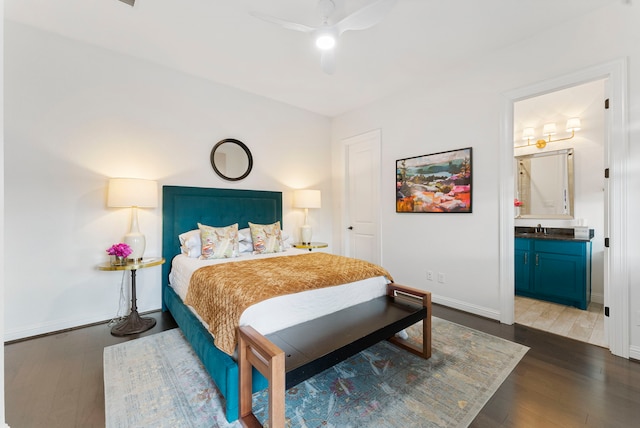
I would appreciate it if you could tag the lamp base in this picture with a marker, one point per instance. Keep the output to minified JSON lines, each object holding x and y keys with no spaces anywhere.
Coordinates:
{"x":137,"y":242}
{"x":305,"y":234}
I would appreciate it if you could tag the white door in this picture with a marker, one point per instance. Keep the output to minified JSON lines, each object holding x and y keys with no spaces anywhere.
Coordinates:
{"x":362,"y":196}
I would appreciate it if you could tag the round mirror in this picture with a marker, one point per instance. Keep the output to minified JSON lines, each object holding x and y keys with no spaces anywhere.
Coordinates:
{"x":231,"y":159}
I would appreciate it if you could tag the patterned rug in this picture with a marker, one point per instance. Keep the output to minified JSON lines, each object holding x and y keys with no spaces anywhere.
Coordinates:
{"x":157,"y":381}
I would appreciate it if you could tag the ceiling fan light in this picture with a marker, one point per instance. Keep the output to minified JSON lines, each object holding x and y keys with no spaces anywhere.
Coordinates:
{"x":325,"y":41}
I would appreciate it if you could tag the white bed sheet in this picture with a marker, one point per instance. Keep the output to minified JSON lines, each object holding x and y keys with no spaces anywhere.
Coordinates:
{"x":284,"y":311}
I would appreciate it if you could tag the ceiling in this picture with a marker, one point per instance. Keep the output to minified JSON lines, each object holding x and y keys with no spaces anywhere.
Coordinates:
{"x":220,"y":41}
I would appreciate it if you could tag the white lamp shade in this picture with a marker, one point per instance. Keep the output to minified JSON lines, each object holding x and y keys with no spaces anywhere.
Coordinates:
{"x":306,"y":199}
{"x":573,"y":124}
{"x":132,"y":192}
{"x":549,"y":129}
{"x":527,"y":133}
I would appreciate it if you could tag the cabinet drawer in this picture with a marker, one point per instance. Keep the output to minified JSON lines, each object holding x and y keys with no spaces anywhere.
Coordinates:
{"x":560,"y":247}
{"x":523,"y":244}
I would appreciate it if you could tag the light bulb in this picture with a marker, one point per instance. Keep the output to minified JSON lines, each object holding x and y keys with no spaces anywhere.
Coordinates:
{"x":326,"y":38}
{"x":325,"y":41}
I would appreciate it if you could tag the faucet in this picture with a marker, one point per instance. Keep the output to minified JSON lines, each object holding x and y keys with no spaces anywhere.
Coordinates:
{"x":540,"y":229}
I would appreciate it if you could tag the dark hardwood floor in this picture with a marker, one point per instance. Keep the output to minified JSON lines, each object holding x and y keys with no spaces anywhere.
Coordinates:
{"x":56,"y":380}
{"x":560,"y":382}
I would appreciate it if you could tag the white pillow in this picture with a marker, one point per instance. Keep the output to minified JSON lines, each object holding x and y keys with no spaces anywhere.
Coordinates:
{"x":244,"y":235}
{"x":245,"y":247}
{"x":190,"y":244}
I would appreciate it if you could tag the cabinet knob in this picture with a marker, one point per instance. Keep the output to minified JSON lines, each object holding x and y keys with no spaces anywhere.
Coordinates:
{"x":350,"y":227}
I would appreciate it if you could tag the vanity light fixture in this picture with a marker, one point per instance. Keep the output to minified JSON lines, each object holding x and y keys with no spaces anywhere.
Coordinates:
{"x":549,"y":129}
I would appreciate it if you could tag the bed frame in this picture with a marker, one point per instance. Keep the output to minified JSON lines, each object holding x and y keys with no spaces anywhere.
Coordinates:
{"x":182,"y":209}
{"x":284,"y":358}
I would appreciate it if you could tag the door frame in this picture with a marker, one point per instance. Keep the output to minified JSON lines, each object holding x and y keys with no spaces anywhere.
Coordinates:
{"x":616,"y":293}
{"x":375,"y":136}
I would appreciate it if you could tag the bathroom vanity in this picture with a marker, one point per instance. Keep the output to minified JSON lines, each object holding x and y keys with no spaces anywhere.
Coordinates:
{"x":551,"y":264}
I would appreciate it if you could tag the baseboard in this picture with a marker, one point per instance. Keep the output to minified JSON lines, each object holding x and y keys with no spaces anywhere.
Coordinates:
{"x":46,"y":329}
{"x":597,"y":298}
{"x":634,"y":352}
{"x":52,"y":328}
{"x":493,"y":314}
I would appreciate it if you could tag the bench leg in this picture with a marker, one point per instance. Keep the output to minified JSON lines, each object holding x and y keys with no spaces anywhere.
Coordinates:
{"x":255,"y":350}
{"x":412,"y":294}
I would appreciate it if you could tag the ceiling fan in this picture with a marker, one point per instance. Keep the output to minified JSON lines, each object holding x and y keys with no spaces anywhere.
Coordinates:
{"x":326,"y":35}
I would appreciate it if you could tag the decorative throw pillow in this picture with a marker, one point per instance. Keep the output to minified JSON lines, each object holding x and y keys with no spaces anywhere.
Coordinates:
{"x":190,"y":244}
{"x":266,"y":238}
{"x":219,"y":242}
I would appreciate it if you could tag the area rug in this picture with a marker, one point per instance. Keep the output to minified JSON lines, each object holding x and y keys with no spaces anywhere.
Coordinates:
{"x":157,"y":381}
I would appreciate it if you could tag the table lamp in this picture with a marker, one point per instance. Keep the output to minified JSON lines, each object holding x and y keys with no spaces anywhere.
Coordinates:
{"x":306,"y":199}
{"x":133,"y":193}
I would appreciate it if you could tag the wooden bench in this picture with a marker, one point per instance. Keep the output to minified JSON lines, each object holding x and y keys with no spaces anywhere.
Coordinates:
{"x":292,"y":355}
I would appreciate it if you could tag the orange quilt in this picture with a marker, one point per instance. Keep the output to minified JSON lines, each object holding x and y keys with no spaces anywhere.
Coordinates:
{"x":220,"y":293}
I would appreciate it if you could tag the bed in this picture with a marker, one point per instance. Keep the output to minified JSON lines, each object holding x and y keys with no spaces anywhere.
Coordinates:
{"x":183,"y":208}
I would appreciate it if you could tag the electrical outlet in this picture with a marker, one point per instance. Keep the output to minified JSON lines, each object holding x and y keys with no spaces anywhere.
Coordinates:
{"x":430,"y":275}
{"x":441,"y":277}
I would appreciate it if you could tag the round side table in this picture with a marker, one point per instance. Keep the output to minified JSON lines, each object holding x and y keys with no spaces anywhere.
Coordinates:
{"x":310,"y":245}
{"x":134,"y":323}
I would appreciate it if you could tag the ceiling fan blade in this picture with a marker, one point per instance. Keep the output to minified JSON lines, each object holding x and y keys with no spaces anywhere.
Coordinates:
{"x":129,"y":2}
{"x":327,"y":61}
{"x":366,"y":17}
{"x":286,"y":24}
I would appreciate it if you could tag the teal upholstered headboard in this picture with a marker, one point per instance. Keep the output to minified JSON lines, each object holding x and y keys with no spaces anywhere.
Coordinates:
{"x":184,"y":207}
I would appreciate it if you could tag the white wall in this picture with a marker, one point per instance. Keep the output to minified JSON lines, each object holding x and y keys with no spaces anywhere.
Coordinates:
{"x":463,"y":109}
{"x":77,"y":115}
{"x":2,"y":211}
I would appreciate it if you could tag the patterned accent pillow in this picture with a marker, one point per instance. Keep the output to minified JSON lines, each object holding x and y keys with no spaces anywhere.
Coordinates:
{"x":219,"y":242}
{"x":266,"y":238}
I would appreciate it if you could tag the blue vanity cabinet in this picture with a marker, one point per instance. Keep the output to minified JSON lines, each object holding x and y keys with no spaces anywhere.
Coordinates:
{"x":522,"y":269}
{"x":559,"y":271}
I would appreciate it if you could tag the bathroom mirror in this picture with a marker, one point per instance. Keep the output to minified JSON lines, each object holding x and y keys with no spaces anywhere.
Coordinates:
{"x":231,"y":159}
{"x":544,"y":185}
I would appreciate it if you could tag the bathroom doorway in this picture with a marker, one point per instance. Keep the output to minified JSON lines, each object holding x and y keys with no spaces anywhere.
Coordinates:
{"x":616,"y":271}
{"x":583,"y":105}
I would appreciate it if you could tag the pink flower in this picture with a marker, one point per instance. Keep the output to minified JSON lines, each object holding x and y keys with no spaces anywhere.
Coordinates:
{"x":119,"y":250}
{"x":517,"y":203}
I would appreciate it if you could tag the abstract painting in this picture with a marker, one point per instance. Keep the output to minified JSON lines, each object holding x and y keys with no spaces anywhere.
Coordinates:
{"x":435,"y":183}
